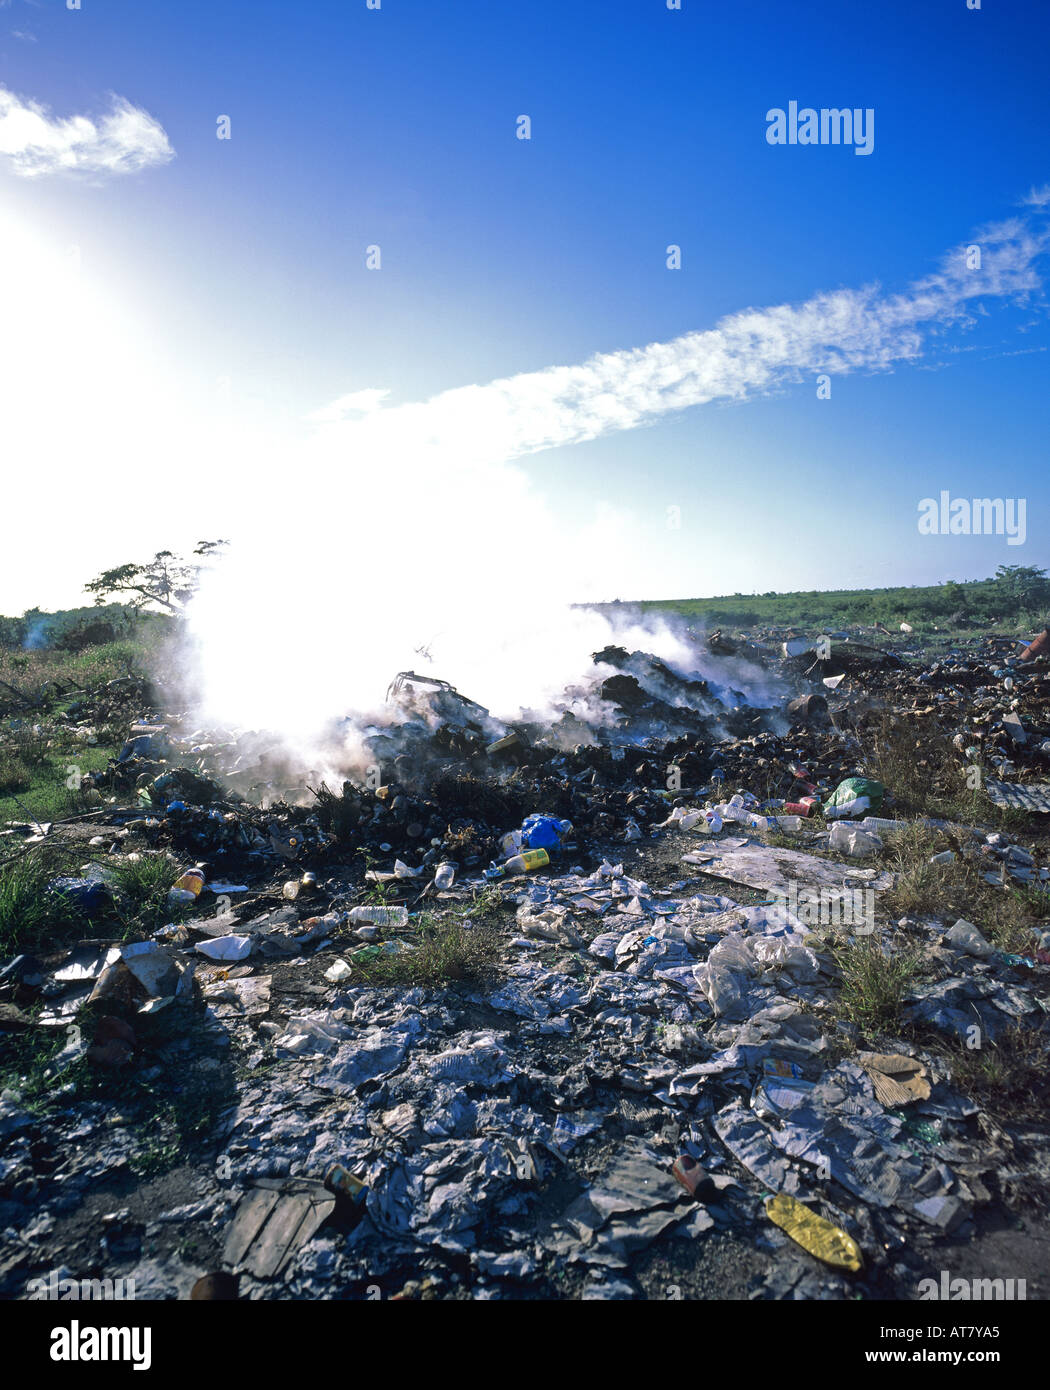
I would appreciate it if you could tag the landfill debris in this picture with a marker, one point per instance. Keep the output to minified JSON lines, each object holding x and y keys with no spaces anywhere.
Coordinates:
{"x":647,"y":1049}
{"x":964,"y":936}
{"x":231,"y":947}
{"x":780,"y":871}
{"x":898,"y":1080}
{"x":273,"y":1222}
{"x":827,"y":1242}
{"x":114,"y":1043}
{"x":1033,"y":796}
{"x":853,"y":797}
{"x":217,"y":1286}
{"x":854,"y":840}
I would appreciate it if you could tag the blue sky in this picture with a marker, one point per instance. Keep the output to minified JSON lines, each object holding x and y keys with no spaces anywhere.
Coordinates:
{"x":237,"y":268}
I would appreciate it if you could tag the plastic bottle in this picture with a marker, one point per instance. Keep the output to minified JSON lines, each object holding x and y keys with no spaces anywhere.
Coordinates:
{"x":444,"y":876}
{"x":379,"y":916}
{"x":528,"y":860}
{"x":880,"y":825}
{"x":523,"y":863}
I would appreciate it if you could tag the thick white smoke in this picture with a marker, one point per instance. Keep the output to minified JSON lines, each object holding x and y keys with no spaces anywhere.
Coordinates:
{"x":415,"y":560}
{"x":406,"y":537}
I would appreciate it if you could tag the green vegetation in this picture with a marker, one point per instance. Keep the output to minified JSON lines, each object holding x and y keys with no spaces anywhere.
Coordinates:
{"x":1009,"y":1077}
{"x":1005,"y":914}
{"x":915,"y":759}
{"x":34,"y":919}
{"x":57,"y":721}
{"x":875,"y":981}
{"x":1015,"y":600}
{"x":463,"y":946}
{"x":168,"y":580}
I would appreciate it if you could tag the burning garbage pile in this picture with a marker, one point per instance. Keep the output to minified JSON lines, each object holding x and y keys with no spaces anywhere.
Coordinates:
{"x":549,"y":993}
{"x":440,"y":773}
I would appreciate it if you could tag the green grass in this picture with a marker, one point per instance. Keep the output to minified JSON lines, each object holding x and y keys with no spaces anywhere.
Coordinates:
{"x":31,"y":918}
{"x":25,"y":1064}
{"x":988,"y":605}
{"x":42,"y":793}
{"x":927,"y":775}
{"x":1009,"y":1078}
{"x":460,"y":946}
{"x":874,"y":982}
{"x":44,"y":680}
{"x":143,"y":884}
{"x":39,"y":750}
{"x":1006,"y":915}
{"x":15,"y":774}
{"x":34,"y":919}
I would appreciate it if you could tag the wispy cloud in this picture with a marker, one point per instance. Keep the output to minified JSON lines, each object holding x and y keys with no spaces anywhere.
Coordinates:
{"x":746,"y":354}
{"x":34,"y":142}
{"x":355,"y":404}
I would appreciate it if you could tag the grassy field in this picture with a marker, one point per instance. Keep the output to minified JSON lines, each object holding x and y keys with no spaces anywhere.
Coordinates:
{"x":985,"y":606}
{"x":43,"y":753}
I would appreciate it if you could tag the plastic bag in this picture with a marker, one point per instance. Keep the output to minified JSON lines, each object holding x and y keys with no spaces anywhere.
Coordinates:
{"x":854,"y":839}
{"x":540,"y":831}
{"x":853,"y":789}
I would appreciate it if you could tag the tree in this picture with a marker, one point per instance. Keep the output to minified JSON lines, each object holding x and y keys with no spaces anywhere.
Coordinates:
{"x":167,"y":580}
{"x":954,"y":595}
{"x":1022,"y":584}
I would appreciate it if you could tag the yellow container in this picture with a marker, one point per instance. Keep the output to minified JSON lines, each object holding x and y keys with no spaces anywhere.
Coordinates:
{"x":192,"y":881}
{"x":528,"y":860}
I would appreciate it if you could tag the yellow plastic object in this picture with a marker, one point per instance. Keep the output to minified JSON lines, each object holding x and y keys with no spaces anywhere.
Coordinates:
{"x":528,"y":860}
{"x":829,"y":1243}
{"x":192,"y":881}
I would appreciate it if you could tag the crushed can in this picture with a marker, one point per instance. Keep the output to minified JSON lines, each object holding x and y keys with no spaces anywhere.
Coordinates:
{"x":343,"y":1183}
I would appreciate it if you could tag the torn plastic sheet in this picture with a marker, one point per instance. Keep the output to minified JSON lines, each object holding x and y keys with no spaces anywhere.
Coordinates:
{"x":1030,"y":796}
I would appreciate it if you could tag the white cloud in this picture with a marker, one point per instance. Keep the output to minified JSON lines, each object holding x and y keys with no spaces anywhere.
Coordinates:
{"x":1037,"y":197}
{"x":34,"y":142}
{"x":744,"y":355}
{"x":356,"y":403}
